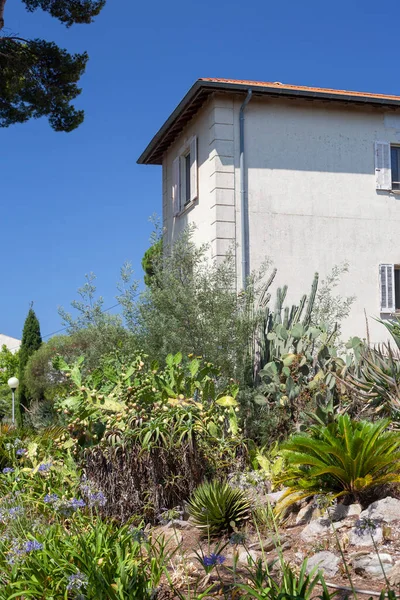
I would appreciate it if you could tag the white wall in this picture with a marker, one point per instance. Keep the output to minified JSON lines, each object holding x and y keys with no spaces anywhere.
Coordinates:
{"x":313,"y":202}
{"x":12,"y":343}
{"x":312,"y":197}
{"x":213,"y":213}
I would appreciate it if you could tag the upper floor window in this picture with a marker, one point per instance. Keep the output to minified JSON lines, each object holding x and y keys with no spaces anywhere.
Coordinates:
{"x":389,"y":280}
{"x":184,"y":177}
{"x":395,"y":166}
{"x":387,"y":166}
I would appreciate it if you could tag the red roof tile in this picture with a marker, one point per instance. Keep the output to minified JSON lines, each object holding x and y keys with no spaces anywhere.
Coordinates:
{"x":300,"y":88}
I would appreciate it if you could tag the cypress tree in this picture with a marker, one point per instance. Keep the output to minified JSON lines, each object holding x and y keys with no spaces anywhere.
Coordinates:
{"x":152,"y":255}
{"x":31,"y":341}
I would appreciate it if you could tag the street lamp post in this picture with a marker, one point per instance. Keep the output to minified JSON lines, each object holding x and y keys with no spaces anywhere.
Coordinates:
{"x":13,"y":383}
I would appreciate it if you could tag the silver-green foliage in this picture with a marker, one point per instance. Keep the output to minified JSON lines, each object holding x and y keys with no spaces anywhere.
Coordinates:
{"x":330,"y":309}
{"x":193,"y":306}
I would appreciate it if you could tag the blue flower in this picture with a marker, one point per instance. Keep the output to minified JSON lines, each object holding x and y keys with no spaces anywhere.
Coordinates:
{"x":97,"y":499}
{"x":20,"y":451}
{"x":44,"y":467}
{"x":15,"y":511}
{"x":76,"y":581}
{"x":364,"y":526}
{"x":32,"y":546}
{"x":50,"y":498}
{"x":213,"y":559}
{"x":75,"y":503}
{"x":8,"y":470}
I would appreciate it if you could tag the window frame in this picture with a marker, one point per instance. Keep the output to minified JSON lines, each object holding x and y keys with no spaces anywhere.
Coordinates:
{"x":396,"y":268}
{"x":185,"y":180}
{"x":386,"y":269}
{"x":185,"y":185}
{"x":395,"y":191}
{"x":383,"y":167}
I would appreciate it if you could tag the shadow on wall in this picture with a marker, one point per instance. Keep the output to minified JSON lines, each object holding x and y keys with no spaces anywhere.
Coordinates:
{"x":311,"y":138}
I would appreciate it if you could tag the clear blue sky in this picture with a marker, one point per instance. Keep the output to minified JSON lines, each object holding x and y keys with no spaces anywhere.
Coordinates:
{"x":77,"y":202}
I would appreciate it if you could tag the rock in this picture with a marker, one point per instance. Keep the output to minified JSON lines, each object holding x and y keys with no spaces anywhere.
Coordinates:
{"x":299,"y":556}
{"x":394,"y":577}
{"x":387,"y":509}
{"x":368,"y":564}
{"x":274,"y":497}
{"x":319,"y":527}
{"x":326,"y":561}
{"x":172,"y":536}
{"x":340,"y":511}
{"x":307,"y":514}
{"x":315,"y":529}
{"x":360,"y":537}
{"x":248,"y":555}
{"x":281,"y":542}
{"x":178,"y":524}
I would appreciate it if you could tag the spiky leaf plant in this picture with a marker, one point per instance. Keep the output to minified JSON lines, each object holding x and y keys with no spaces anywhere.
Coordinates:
{"x":376,"y":380}
{"x":216,"y":507}
{"x":345,"y":458}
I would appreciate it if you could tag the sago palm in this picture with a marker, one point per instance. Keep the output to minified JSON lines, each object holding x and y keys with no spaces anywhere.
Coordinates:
{"x":345,"y":458}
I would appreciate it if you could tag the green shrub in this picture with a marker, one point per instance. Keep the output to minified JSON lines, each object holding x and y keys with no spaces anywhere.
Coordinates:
{"x":45,"y":382}
{"x":217,"y":508}
{"x":346,"y":458}
{"x":194,"y":307}
{"x":142,"y":402}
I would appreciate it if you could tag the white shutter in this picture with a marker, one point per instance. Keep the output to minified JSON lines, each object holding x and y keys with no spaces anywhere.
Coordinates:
{"x":386,"y":281}
{"x":176,"y":188}
{"x":193,"y":169}
{"x":383,"y":169}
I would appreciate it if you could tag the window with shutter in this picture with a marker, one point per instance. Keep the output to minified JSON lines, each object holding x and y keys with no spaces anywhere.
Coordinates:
{"x":383,"y":171}
{"x":395,"y":167}
{"x":387,"y":288}
{"x":185,"y":185}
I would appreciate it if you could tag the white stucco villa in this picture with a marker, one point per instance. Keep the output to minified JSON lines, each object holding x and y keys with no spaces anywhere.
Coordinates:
{"x":11,"y":343}
{"x":308,"y":177}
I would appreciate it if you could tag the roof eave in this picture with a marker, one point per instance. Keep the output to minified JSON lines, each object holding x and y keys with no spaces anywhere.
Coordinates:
{"x":144,"y":158}
{"x":150,"y":155}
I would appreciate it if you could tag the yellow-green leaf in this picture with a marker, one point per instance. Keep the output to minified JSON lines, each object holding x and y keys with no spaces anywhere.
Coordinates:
{"x":226,"y":401}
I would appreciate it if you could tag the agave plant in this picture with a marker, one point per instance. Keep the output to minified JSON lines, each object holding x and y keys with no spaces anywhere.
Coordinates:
{"x":216,"y":507}
{"x":263,"y":586}
{"x":393,"y":327}
{"x":345,"y":458}
{"x":377,"y":378}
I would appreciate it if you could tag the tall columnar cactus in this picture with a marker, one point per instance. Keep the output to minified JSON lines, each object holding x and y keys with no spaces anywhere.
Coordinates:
{"x":311,"y":301}
{"x":283,"y":328}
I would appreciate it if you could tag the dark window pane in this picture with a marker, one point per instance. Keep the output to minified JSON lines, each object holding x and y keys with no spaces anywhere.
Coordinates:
{"x":397,"y":288}
{"x":395,"y":160}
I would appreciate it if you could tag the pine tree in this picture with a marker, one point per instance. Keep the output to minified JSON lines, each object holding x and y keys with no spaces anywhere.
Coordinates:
{"x":31,"y":341}
{"x":37,"y":77}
